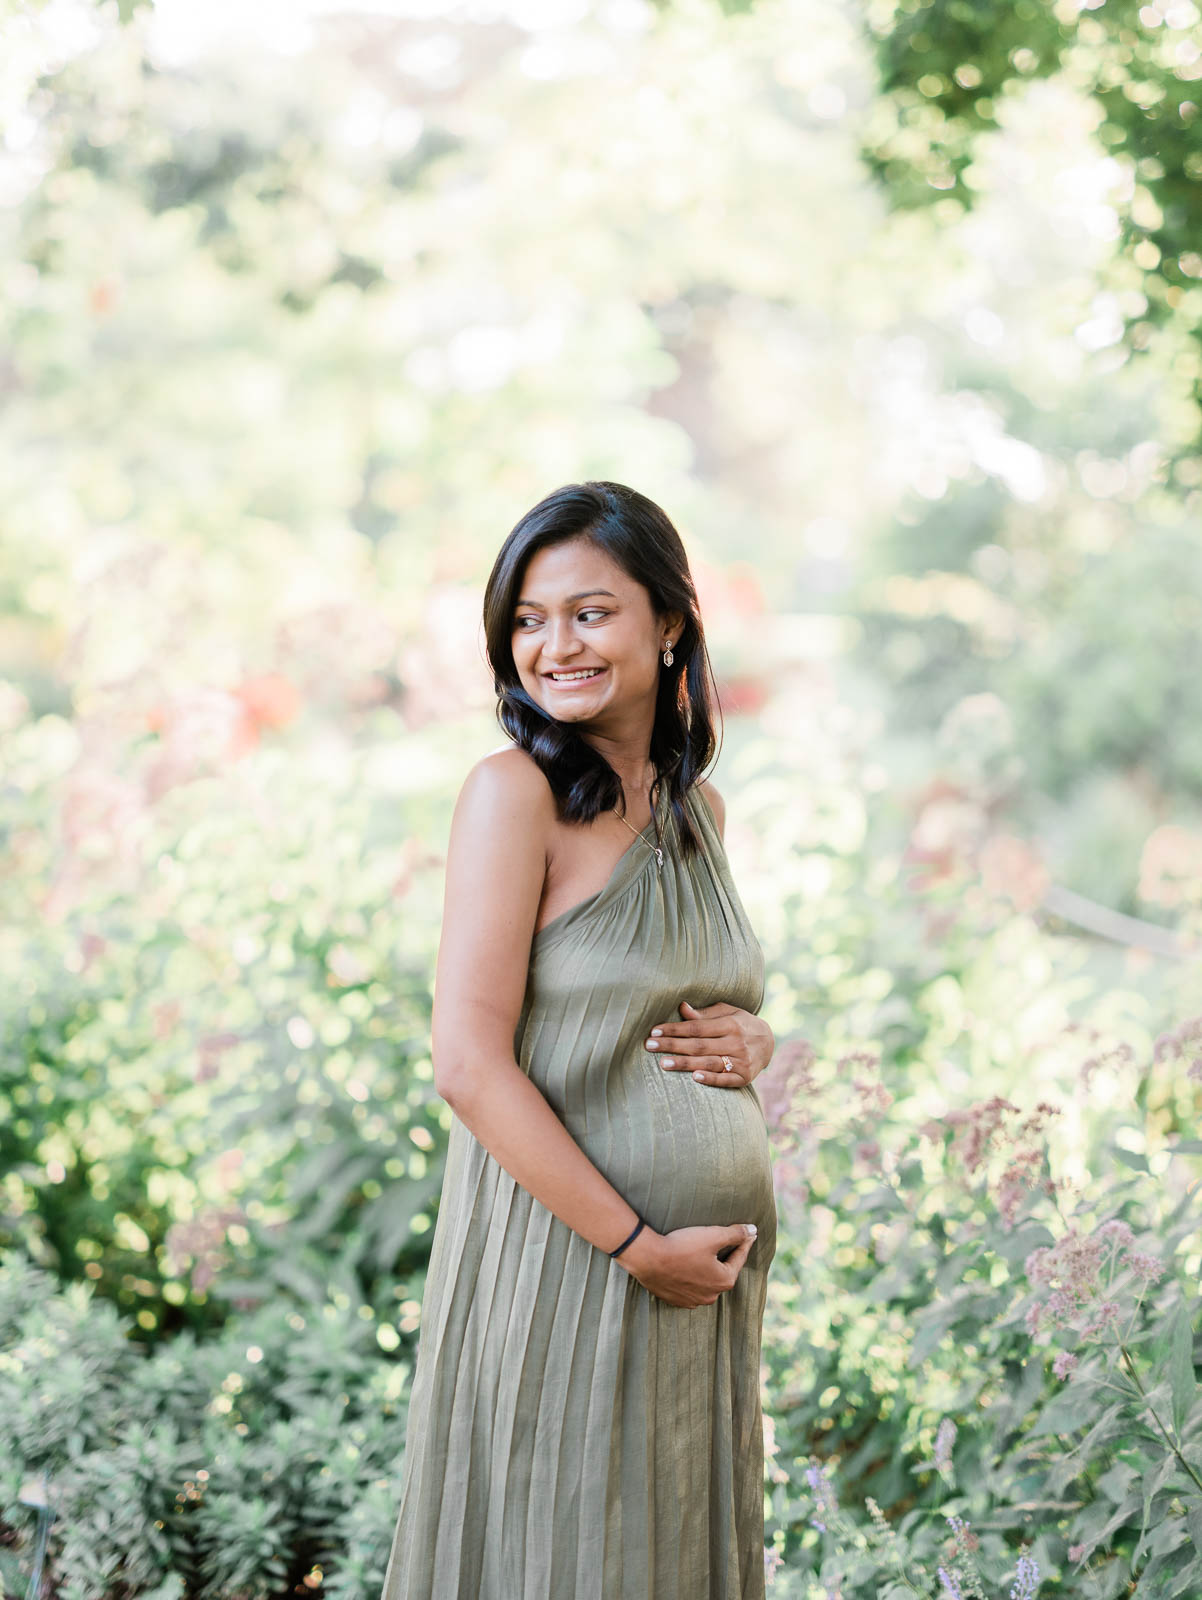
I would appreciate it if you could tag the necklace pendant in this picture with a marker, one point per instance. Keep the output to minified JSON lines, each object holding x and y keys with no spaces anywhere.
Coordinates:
{"x":659,"y":856}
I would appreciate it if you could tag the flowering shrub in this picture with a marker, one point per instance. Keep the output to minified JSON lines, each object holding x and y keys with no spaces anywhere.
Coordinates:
{"x":990,"y":1350}
{"x":214,"y":1079}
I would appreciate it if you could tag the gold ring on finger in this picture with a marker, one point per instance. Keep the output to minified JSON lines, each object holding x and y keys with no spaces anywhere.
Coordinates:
{"x":727,"y":1064}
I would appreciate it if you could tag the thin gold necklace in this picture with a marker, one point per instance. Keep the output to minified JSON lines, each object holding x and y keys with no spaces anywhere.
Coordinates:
{"x":658,"y":846}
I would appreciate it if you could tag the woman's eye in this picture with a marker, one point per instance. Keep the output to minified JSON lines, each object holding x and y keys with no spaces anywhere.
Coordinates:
{"x":591,"y":612}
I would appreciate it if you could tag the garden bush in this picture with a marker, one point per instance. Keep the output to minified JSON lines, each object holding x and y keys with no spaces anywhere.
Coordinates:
{"x":980,"y":1356}
{"x":223,"y":1139}
{"x":258,"y":1462}
{"x":214,"y":1067}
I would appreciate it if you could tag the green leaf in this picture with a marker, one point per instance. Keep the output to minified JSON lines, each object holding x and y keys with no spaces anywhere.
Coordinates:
{"x":1126,"y":1513}
{"x":933,"y":1325}
{"x":1115,"y":1482}
{"x":1153,"y":1484}
{"x":1181,"y":1366}
{"x":171,"y":1589}
{"x":1130,"y":1158}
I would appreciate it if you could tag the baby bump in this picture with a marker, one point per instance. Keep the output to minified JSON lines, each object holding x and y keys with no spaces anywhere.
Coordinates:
{"x":684,"y":1154}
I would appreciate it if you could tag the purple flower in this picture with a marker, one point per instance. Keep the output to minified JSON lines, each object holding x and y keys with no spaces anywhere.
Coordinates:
{"x":1145,"y":1266}
{"x":1064,"y":1363}
{"x":1116,"y":1229}
{"x":1178,"y":1041}
{"x":826,"y":1503}
{"x":1026,"y":1579}
{"x":950,"y":1587}
{"x":945,"y":1438}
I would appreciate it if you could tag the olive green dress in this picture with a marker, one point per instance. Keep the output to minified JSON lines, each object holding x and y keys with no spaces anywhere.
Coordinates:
{"x":571,"y":1436}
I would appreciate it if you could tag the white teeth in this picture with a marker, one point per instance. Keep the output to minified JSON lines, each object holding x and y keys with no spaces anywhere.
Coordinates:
{"x":566,"y":677}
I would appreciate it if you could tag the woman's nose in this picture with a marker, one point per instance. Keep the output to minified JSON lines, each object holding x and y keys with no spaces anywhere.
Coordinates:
{"x":561,"y":638}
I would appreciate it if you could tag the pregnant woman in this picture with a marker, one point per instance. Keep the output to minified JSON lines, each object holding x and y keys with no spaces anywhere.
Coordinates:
{"x":585,"y":1419}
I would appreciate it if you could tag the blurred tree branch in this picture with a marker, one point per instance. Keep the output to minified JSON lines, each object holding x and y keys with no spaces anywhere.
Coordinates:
{"x":946,"y":69}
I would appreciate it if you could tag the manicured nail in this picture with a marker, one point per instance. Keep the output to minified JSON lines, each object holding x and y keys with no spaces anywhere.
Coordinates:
{"x":752,"y":1230}
{"x":699,"y":1077}
{"x":652,"y":1044}
{"x":655,"y":1032}
{"x":667,"y":1061}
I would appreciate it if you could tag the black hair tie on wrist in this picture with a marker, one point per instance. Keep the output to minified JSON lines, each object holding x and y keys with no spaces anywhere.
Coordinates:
{"x":638,"y":1228}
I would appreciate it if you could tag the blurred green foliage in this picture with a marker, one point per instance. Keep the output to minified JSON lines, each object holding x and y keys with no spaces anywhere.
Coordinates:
{"x":314,"y":322}
{"x":1095,"y":661}
{"x":951,"y":70}
{"x":941,"y":1061}
{"x":224,"y":1081}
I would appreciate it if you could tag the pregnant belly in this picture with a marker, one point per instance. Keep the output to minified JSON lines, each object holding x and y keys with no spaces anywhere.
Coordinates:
{"x":683,"y":1154}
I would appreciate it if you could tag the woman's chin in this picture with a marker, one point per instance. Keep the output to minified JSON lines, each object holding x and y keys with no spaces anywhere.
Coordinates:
{"x":573,"y":705}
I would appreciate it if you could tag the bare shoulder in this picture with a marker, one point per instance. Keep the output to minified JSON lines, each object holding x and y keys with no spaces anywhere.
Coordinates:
{"x":717,"y":805}
{"x":511,"y":788}
{"x":495,"y":868}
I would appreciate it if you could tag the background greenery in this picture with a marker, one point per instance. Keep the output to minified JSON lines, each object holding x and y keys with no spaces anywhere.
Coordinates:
{"x":895,"y":309}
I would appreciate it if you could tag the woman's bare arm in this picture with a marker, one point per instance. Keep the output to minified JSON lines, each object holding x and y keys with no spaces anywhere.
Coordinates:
{"x":496,"y":863}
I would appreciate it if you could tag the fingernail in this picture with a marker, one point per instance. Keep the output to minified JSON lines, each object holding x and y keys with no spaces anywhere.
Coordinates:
{"x":752,"y":1230}
{"x":652,"y":1044}
{"x":668,"y":1061}
{"x":699,"y":1077}
{"x":655,"y":1032}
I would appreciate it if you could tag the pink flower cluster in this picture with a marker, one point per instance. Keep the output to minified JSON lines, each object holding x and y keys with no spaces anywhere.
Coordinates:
{"x":803,"y":1110}
{"x":1102,"y":1053}
{"x":1183,"y":1041}
{"x":986,"y":1131}
{"x":201,"y":1240}
{"x":789,"y":1095}
{"x":1071,"y":1272}
{"x":787,"y":1092}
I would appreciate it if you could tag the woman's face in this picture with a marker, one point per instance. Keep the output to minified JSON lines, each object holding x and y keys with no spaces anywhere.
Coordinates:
{"x":578,"y":610}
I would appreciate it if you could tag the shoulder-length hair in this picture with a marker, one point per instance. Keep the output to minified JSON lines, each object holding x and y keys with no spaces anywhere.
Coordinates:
{"x":640,"y":538}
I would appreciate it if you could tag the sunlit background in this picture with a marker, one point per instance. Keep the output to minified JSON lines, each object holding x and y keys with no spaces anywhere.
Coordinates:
{"x":896,"y":309}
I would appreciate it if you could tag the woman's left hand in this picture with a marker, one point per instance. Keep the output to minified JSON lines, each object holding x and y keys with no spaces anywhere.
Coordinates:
{"x":709,"y":1033}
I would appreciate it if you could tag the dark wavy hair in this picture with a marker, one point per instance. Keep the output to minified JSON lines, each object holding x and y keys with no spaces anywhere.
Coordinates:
{"x":639,"y":537}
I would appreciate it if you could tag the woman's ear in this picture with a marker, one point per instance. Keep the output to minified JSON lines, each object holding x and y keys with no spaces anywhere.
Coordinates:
{"x":671,"y":626}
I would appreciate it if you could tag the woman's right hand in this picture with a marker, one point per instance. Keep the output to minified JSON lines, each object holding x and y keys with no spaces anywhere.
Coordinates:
{"x":683,"y":1267}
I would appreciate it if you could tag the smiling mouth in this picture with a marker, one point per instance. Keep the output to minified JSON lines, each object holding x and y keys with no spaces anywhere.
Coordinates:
{"x":566,"y":679}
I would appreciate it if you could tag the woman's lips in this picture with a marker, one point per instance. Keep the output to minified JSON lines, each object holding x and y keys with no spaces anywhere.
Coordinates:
{"x":575,"y":683}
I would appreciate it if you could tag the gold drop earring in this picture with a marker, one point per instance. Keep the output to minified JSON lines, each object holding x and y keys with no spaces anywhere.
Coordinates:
{"x":668,"y":657}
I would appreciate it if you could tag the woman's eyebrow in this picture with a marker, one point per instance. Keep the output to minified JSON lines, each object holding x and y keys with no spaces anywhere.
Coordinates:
{"x":583,"y":595}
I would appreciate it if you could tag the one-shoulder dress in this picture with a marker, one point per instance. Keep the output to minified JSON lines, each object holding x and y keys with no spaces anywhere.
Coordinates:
{"x":571,"y":1436}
